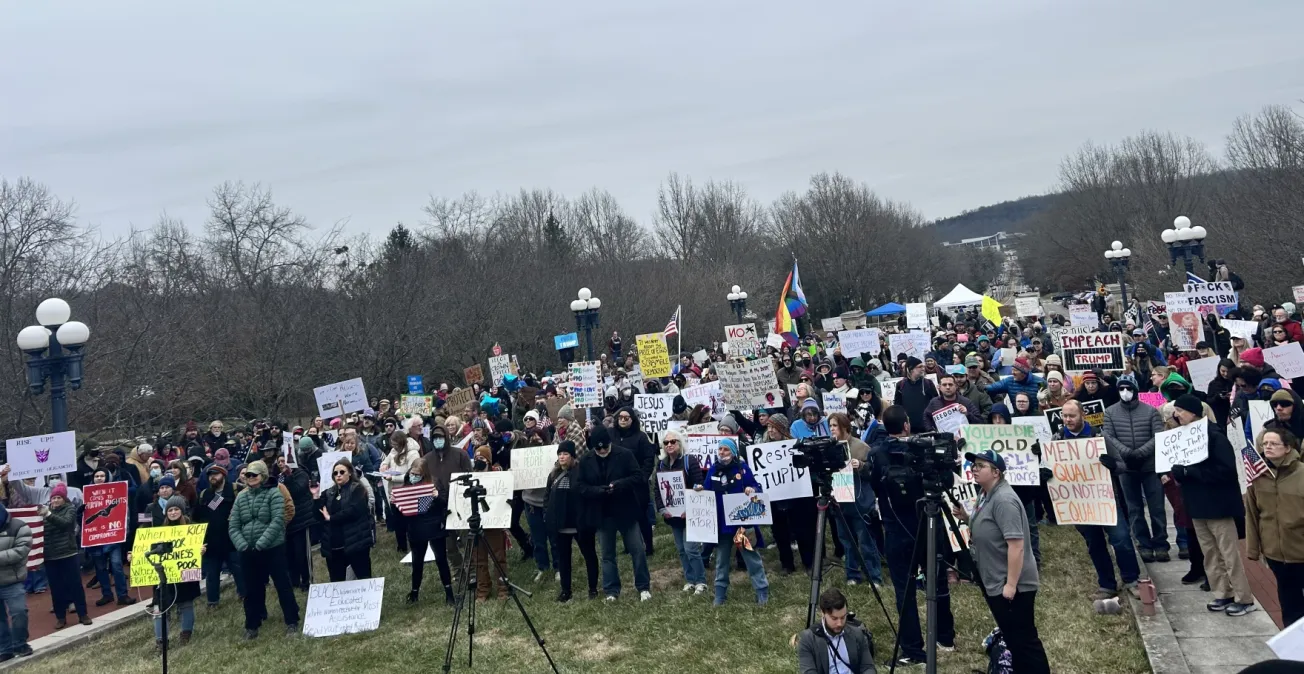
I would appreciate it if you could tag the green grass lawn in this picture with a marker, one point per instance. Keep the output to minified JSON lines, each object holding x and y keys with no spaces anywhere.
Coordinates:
{"x":672,"y":633}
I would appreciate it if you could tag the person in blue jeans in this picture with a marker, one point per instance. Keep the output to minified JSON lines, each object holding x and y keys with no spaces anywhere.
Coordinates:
{"x":213,"y":507}
{"x":15,"y":545}
{"x":690,"y":552}
{"x":729,"y":475}
{"x":108,"y":563}
{"x":608,"y":479}
{"x":858,"y":515}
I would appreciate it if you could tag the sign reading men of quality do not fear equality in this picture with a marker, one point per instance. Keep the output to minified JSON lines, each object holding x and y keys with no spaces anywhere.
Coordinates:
{"x":1081,"y":490}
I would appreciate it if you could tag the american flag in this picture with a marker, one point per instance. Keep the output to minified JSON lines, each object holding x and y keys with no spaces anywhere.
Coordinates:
{"x":1254,"y":464}
{"x":672,"y":328}
{"x":413,"y":500}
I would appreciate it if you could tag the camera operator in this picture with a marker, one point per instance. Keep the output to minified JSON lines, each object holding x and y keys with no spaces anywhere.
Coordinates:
{"x":898,"y":503}
{"x":839,"y":644}
{"x":860,"y":513}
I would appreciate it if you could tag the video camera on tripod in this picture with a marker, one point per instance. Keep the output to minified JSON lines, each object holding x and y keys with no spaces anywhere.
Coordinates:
{"x":822,"y":457}
{"x":929,"y":460}
{"x":474,"y":491}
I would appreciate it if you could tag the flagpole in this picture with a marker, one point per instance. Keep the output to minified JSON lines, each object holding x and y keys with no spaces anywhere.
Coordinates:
{"x":679,"y":332}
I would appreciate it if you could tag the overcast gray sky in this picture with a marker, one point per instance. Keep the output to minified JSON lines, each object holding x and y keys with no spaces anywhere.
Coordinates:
{"x":358,"y":110}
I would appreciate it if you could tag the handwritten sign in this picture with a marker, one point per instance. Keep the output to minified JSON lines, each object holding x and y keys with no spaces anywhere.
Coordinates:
{"x":1182,"y":446}
{"x":340,"y":398}
{"x":913,"y":343}
{"x":423,"y":405}
{"x":654,"y":411}
{"x":498,"y":516}
{"x":854,"y":343}
{"x":1287,"y":359}
{"x":586,"y":386}
{"x":1243,"y":329}
{"x":745,"y":382}
{"x":179,"y":554}
{"x":835,"y":324}
{"x":499,"y":367}
{"x":741,"y":340}
{"x":41,"y":455}
{"x":708,"y":394}
{"x":473,"y":374}
{"x":1205,"y":370}
{"x":1027,"y":306}
{"x":742,"y":510}
{"x":844,"y":486}
{"x":1081,"y":489}
{"x":1081,"y":316}
{"x":833,"y":402}
{"x":917,"y":316}
{"x":1013,"y":443}
{"x":771,"y":463}
{"x":670,"y":485}
{"x":950,"y":419}
{"x":705,"y":447}
{"x":1040,"y":426}
{"x":889,"y":387}
{"x":104,"y":520}
{"x":1102,"y":350}
{"x":1154,"y":399}
{"x":531,"y":465}
{"x":347,"y":607}
{"x":653,"y":355}
{"x":457,"y":401}
{"x":699,"y":517}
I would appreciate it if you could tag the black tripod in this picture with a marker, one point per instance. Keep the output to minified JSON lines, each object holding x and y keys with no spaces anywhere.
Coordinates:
{"x":475,"y":537}
{"x":823,"y":504}
{"x":157,"y":551}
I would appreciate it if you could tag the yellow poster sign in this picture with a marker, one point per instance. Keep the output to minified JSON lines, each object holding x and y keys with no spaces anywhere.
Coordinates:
{"x":653,"y":355}
{"x":177,"y":548}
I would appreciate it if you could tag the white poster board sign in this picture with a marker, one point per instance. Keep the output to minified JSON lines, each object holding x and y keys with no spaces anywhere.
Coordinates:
{"x":951,"y":419}
{"x":709,"y":394}
{"x":1184,"y":446}
{"x":41,"y":455}
{"x":499,"y":499}
{"x":1288,"y":359}
{"x":654,"y":411}
{"x":340,"y":398}
{"x":1204,"y":370}
{"x":670,"y":485}
{"x":327,"y":461}
{"x":855,"y":343}
{"x":771,"y":464}
{"x":347,"y":607}
{"x":1081,"y":316}
{"x":917,"y":316}
{"x":889,"y":387}
{"x":700,"y":525}
{"x":1027,"y":306}
{"x":744,"y":383}
{"x":742,"y":510}
{"x":586,"y":385}
{"x":1039,"y":423}
{"x":531,"y":465}
{"x":833,"y":402}
{"x":1243,"y":329}
{"x":742,"y":341}
{"x":913,"y":343}
{"x":831,"y":324}
{"x":499,"y":367}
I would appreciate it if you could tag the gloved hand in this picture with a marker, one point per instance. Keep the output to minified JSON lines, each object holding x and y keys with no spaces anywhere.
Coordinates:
{"x":1109,"y":461}
{"x":1046,"y":474}
{"x":1179,"y":472}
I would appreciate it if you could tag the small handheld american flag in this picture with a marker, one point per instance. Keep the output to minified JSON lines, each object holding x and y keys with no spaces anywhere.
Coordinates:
{"x":415,"y":499}
{"x":1254,"y":464}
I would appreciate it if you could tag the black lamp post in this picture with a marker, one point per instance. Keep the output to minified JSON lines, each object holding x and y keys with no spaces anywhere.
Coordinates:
{"x":1184,"y":241}
{"x":1119,"y":257}
{"x":738,"y":302}
{"x":586,"y":315}
{"x":64,"y":369}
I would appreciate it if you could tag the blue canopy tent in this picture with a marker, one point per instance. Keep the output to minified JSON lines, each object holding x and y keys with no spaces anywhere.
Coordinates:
{"x":887,"y":310}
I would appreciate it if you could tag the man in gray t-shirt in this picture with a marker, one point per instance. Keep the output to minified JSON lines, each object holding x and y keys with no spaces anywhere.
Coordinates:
{"x":1000,"y":518}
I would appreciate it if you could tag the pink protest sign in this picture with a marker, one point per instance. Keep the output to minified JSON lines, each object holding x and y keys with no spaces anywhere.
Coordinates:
{"x":1155,"y":400}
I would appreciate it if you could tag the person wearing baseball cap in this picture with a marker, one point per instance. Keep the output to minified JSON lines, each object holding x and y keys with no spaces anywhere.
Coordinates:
{"x":998,"y":530}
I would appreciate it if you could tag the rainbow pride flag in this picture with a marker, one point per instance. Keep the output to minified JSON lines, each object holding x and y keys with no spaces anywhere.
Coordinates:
{"x":792,"y":305}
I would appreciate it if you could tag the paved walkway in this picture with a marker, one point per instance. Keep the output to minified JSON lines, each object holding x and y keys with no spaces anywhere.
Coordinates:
{"x":1185,"y":637}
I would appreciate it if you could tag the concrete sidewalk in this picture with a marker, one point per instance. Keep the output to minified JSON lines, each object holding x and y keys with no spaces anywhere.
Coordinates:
{"x":1185,"y":637}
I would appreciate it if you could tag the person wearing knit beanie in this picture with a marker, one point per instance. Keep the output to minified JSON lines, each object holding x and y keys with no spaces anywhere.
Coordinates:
{"x":566,"y":447}
{"x":167,"y":481}
{"x":1189,"y":403}
{"x":60,"y":490}
{"x":177,"y":501}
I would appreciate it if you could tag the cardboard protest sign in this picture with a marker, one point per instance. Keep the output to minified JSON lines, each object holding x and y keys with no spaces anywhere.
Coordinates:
{"x":1081,"y":316}
{"x":1182,"y":446}
{"x":742,"y":382}
{"x":708,"y":394}
{"x":473,"y":374}
{"x":531,"y":465}
{"x":844,"y":486}
{"x":1287,"y":359}
{"x":457,"y":401}
{"x":917,"y":316}
{"x":1027,"y":306}
{"x":347,"y":607}
{"x":950,"y":419}
{"x":705,"y":447}
{"x":835,"y":324}
{"x":1092,"y":410}
{"x":554,"y":406}
{"x":670,"y":485}
{"x":855,"y":343}
{"x":1218,"y":296}
{"x":1154,"y":399}
{"x":771,"y":463}
{"x":1013,"y":443}
{"x":586,"y":386}
{"x":1204,"y":370}
{"x":699,"y":517}
{"x":833,"y":402}
{"x":1102,"y":350}
{"x":179,"y":548}
{"x":653,"y":355}
{"x":742,"y":341}
{"x":423,"y":405}
{"x":743,"y":510}
{"x":1298,"y":292}
{"x":104,"y":519}
{"x":1185,"y":329}
{"x":499,"y":367}
{"x":340,"y":398}
{"x":41,"y":455}
{"x":913,"y":343}
{"x":654,"y":411}
{"x":1081,"y":490}
{"x":526,"y":397}
{"x":499,"y":484}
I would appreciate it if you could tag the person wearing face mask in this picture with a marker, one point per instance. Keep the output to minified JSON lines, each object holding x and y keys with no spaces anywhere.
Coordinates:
{"x":395,"y":466}
{"x":1130,"y":429}
{"x":426,"y":531}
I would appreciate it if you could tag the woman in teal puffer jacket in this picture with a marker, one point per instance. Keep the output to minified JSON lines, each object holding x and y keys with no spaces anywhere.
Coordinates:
{"x":257,"y":527}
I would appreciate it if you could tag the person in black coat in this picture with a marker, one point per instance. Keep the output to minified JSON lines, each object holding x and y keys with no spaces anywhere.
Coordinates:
{"x":214,"y":509}
{"x":347,"y":535}
{"x":562,"y":515}
{"x":297,"y":481}
{"x":628,"y":433}
{"x":425,"y":528}
{"x":609,"y":478}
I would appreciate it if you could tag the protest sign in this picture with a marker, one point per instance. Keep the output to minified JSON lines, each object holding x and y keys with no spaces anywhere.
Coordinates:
{"x":701,"y":357}
{"x":1246,"y":330}
{"x":1287,"y":359}
{"x":104,"y":520}
{"x":844,"y":486}
{"x":423,"y":405}
{"x":1013,"y":443}
{"x":965,"y":494}
{"x":1152,"y":398}
{"x":708,"y":428}
{"x":1081,"y":316}
{"x":743,"y":510}
{"x":951,"y":419}
{"x":833,"y":402}
{"x":586,"y":389}
{"x":1218,"y":296}
{"x":831,"y":324}
{"x":473,"y":374}
{"x":41,"y":455}
{"x":1182,"y":446}
{"x":708,"y":394}
{"x":1081,"y":489}
{"x":347,"y":607}
{"x":913,"y":343}
{"x":498,"y":484}
{"x":327,"y":461}
{"x":742,"y":382}
{"x":554,"y":406}
{"x":1027,"y":306}
{"x":1154,"y":309}
{"x":864,"y":342}
{"x":1204,"y":370}
{"x":526,"y":396}
{"x":1298,"y":292}
{"x":340,"y":398}
{"x":416,"y":384}
{"x":654,"y":411}
{"x":1040,"y":427}
{"x":459,"y":399}
{"x":635,"y":378}
{"x":499,"y":367}
{"x":742,"y":340}
{"x":771,"y":464}
{"x":653,"y":355}
{"x":531,"y":465}
{"x":1260,"y":414}
{"x":670,"y":485}
{"x":699,"y":517}
{"x":706,"y":447}
{"x":774,"y":341}
{"x":889,"y":387}
{"x":1185,"y":328}
{"x":181,"y":547}
{"x":917,"y":316}
{"x":1102,"y":350}
{"x":1093,"y":411}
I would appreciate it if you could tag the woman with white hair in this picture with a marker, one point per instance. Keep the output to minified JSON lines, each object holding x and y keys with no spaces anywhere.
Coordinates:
{"x":668,"y":502}
{"x":403,"y":452}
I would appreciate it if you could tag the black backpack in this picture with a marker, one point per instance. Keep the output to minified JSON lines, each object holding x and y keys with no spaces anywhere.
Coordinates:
{"x":999,"y":659}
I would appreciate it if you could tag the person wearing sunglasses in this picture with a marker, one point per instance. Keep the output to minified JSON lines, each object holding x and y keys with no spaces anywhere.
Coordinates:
{"x":1287,"y":412}
{"x":347,"y":532}
{"x":673,"y":459}
{"x":1274,"y":515}
{"x":257,"y":528}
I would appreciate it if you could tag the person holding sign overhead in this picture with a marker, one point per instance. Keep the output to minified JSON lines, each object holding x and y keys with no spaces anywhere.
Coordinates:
{"x":61,"y":548}
{"x":1211,"y":492}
